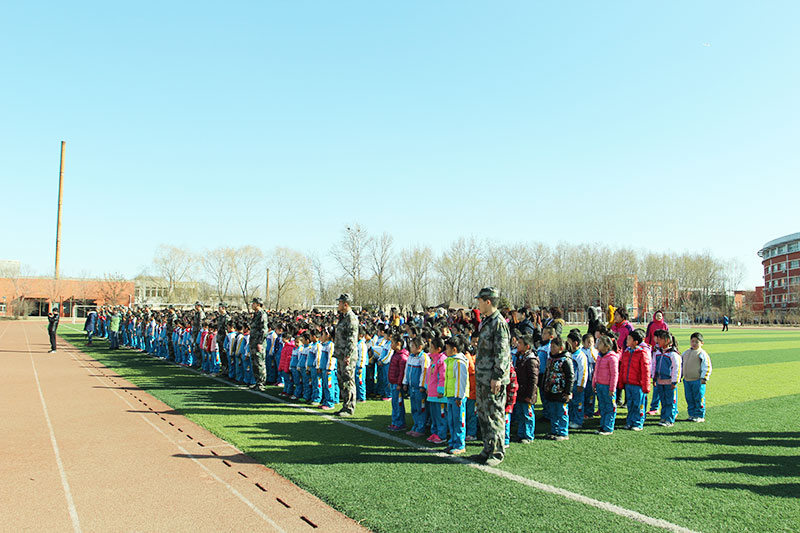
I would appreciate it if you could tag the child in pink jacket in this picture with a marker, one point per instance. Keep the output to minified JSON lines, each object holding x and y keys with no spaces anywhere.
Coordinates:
{"x":604,"y":383}
{"x":397,"y":370}
{"x":436,"y":402}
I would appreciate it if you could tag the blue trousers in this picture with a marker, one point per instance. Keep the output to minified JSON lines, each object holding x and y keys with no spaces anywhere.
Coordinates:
{"x":655,"y":402}
{"x":438,"y":415}
{"x":607,"y":404}
{"x":316,"y":386}
{"x":695,"y":392}
{"x":288,"y":386}
{"x":457,"y":423}
{"x":382,"y":388}
{"x":472,"y":419}
{"x":272,"y":367}
{"x":559,"y":418}
{"x":361,"y":384}
{"x":308,"y":388}
{"x":417,"y":408}
{"x":669,"y":402}
{"x":398,"y":406}
{"x":508,"y":429}
{"x":637,"y":401}
{"x":576,"y":407}
{"x":526,"y":421}
{"x":297,"y":379}
{"x":329,"y":388}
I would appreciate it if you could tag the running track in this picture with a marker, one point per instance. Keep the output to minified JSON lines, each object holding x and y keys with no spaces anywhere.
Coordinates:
{"x":84,"y":450}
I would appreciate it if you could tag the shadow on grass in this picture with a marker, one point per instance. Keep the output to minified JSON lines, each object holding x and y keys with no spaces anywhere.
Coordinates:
{"x":789,"y":439}
{"x":780,"y":490}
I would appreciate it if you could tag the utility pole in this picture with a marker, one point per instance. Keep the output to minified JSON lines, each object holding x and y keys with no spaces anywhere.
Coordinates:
{"x":58,"y":218}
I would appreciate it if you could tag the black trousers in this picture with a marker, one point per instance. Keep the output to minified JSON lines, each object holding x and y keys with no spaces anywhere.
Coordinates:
{"x":52,"y":339}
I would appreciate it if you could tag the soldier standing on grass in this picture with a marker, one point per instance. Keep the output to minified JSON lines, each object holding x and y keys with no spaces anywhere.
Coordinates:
{"x":258,"y":330}
{"x":345,"y":351}
{"x":492,"y":363}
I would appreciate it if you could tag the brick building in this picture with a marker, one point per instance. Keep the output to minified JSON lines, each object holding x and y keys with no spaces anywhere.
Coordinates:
{"x":26,"y":296}
{"x":781,"y":261}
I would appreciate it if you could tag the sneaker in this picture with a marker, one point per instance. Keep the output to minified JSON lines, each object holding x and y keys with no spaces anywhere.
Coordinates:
{"x":700,"y":420}
{"x":344,"y":414}
{"x":662,"y":423}
{"x":386,"y":399}
{"x":652,"y":412}
{"x":575,"y":426}
{"x":691,"y":419}
{"x":525,"y":441}
{"x":628,"y":427}
{"x":457,"y":451}
{"x":292,"y":397}
{"x":325,"y":407}
{"x":51,"y":351}
{"x":636,"y":428}
{"x":415,"y":434}
{"x":470,"y":438}
{"x":433,"y":436}
{"x":438,"y":440}
{"x":598,"y":432}
{"x":667,"y":424}
{"x":560,"y":437}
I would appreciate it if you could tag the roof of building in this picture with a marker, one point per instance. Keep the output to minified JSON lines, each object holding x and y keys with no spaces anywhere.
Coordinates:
{"x":782,"y":240}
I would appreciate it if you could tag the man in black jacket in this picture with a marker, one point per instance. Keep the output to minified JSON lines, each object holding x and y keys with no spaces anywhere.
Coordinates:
{"x":52,"y":327}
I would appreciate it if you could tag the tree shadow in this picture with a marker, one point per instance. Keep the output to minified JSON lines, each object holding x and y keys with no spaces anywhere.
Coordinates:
{"x":779,"y":490}
{"x":789,"y":439}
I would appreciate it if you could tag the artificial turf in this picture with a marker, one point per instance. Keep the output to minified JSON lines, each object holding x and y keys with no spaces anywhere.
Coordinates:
{"x":740,"y":470}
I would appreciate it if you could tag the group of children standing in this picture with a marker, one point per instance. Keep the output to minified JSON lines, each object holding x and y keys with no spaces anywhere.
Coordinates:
{"x":433,"y":367}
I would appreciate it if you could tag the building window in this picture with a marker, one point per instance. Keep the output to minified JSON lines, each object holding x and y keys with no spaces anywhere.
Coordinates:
{"x":793,"y":247}
{"x":2,"y":308}
{"x":794,"y":264}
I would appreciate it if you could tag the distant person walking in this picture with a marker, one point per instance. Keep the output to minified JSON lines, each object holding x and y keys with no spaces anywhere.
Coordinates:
{"x":725,"y":322}
{"x":52,"y":327}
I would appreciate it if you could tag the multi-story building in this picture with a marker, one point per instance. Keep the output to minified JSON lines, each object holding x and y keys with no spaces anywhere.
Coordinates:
{"x":781,"y":260}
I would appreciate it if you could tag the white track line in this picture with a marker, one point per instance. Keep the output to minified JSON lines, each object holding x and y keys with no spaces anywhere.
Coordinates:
{"x":73,"y":513}
{"x":605,"y":506}
{"x":235,"y":492}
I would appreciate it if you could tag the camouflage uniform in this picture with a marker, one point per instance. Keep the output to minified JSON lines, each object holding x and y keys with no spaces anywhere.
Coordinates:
{"x":492,"y":362}
{"x":258,"y":330}
{"x":345,"y":344}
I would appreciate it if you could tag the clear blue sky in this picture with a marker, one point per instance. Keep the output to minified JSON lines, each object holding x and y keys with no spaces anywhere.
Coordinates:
{"x":272,"y":122}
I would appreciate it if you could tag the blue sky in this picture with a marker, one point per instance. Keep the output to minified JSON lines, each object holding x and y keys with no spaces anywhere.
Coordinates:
{"x":278,"y":123}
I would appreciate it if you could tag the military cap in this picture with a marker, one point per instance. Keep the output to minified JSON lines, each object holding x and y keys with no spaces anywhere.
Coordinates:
{"x":258,"y":301}
{"x":199,"y":303}
{"x":346,"y":297}
{"x":171,"y":307}
{"x":488,"y":293}
{"x":222,"y":304}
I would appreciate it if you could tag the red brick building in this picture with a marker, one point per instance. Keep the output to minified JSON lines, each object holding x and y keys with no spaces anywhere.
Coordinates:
{"x":22,"y":296}
{"x":781,"y":260}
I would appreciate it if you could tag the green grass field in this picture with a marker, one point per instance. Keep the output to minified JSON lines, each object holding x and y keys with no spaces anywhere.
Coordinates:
{"x":738,"y":471}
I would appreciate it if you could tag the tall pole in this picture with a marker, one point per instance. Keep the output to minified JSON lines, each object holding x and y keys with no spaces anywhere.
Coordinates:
{"x":58,"y":218}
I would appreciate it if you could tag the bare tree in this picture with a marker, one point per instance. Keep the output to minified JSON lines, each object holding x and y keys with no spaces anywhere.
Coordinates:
{"x":112,"y":288}
{"x":351,"y":254}
{"x":248,"y":268}
{"x":291,"y":272}
{"x":318,"y":271}
{"x":218,"y":264}
{"x":416,"y":265}
{"x":174,"y":265}
{"x":380,"y":258}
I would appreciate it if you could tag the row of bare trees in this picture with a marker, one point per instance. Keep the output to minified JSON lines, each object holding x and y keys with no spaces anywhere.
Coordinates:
{"x":378,"y":274}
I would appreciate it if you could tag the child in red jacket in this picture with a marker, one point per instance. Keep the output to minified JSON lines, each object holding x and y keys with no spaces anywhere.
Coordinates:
{"x":397,"y":369}
{"x":634,"y":375}
{"x":283,"y":366}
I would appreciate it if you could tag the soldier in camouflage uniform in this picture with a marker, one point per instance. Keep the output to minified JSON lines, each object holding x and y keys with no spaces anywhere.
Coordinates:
{"x":344,"y":350}
{"x":258,"y":331}
{"x":492,"y":363}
